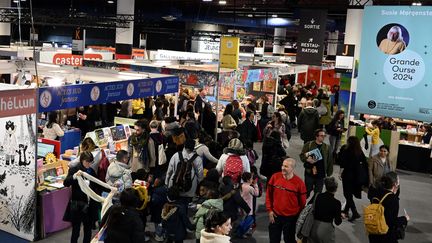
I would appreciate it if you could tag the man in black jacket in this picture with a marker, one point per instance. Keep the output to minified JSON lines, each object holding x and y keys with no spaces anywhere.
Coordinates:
{"x":247,"y":129}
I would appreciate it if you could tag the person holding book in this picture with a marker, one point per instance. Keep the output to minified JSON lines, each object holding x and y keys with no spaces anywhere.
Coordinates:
{"x":317,"y":160}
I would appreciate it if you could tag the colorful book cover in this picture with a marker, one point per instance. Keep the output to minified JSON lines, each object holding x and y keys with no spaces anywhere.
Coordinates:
{"x":315,"y":154}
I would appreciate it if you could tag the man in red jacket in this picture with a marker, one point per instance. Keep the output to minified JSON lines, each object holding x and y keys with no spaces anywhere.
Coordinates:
{"x":285,"y":198}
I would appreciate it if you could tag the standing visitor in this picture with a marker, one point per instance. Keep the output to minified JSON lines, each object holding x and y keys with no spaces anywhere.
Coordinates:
{"x":374,"y":131}
{"x":335,"y":130}
{"x":379,"y":165}
{"x":327,"y":210}
{"x":285,"y":198}
{"x":354,"y":174}
{"x":138,"y":146}
{"x":52,"y":130}
{"x":317,"y":161}
{"x":308,"y":122}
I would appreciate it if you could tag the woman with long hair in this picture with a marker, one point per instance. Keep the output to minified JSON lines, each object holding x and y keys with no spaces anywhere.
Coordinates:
{"x":335,"y":129}
{"x":354,"y":174}
{"x":52,"y":130}
{"x":228,"y":122}
{"x":275,"y":124}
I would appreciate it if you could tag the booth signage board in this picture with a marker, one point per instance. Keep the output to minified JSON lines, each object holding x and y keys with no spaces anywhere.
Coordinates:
{"x":344,"y":58}
{"x":66,"y":57}
{"x":257,"y":75}
{"x":164,"y":55}
{"x":78,"y":41}
{"x":311,"y":37}
{"x":259,"y":48}
{"x":229,"y":52}
{"x":17,"y":102}
{"x":57,"y":98}
{"x":17,"y":175}
{"x":206,"y":46}
{"x":396,"y":49}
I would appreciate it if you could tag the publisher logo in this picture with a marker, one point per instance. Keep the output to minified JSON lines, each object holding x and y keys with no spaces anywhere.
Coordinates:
{"x":45,"y":99}
{"x":371,"y":104}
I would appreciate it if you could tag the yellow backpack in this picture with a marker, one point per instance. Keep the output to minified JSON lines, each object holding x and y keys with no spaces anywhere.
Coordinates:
{"x":374,"y":219}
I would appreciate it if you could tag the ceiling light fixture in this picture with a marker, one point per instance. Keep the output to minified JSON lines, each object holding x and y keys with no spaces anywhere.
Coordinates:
{"x":207,"y":0}
{"x":110,"y":1}
{"x":222,"y":2}
{"x":274,"y":16}
{"x":416,"y":3}
{"x":250,"y":15}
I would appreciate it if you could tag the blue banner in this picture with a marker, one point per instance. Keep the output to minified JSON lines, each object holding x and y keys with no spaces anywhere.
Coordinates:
{"x":70,"y":96}
{"x":396,"y":50}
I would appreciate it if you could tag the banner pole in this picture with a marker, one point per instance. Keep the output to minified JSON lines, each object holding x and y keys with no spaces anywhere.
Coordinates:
{"x":217,"y":89}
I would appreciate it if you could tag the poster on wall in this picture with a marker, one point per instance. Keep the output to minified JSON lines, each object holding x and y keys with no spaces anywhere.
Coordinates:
{"x":311,"y":37}
{"x":17,"y":175}
{"x":396,"y":49}
{"x":269,"y":86}
{"x":240,"y":92}
{"x":227,"y":86}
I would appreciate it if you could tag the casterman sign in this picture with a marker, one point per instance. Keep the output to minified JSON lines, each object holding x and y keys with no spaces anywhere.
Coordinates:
{"x":74,"y":60}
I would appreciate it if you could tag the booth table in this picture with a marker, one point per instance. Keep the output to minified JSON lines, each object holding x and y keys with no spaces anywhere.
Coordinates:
{"x":53,"y":205}
{"x":413,"y":157}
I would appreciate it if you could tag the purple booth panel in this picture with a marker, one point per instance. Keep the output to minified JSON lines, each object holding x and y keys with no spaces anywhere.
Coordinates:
{"x":54,"y":205}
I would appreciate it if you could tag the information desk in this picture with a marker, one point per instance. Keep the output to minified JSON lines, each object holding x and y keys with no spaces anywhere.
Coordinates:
{"x":414,"y":157}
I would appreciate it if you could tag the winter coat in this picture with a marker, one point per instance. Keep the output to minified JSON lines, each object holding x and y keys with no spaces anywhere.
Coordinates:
{"x":79,"y":197}
{"x":158,"y":199}
{"x":119,"y":175}
{"x":308,"y":122}
{"x":376,"y":168}
{"x":197,"y":172}
{"x":175,"y":222}
{"x":247,"y":131}
{"x":227,"y":152}
{"x":199,"y":218}
{"x":153,"y":146}
{"x":207,"y":237}
{"x":272,"y":154}
{"x":228,"y":123}
{"x":325,"y":152}
{"x":354,"y":172}
{"x":127,"y":227}
{"x":233,"y":202}
{"x":169,"y":128}
{"x":332,"y":127}
{"x":326,"y":117}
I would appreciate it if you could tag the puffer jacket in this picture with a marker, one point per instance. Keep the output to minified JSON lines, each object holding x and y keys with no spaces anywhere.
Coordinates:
{"x":210,"y":204}
{"x":207,"y":237}
{"x":119,"y":173}
{"x":308,"y":122}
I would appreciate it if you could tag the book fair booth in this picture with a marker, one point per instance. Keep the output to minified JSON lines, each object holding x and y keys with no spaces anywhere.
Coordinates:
{"x":32,"y":197}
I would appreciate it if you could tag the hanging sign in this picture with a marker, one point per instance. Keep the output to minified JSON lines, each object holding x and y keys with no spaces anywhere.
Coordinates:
{"x":70,"y":96}
{"x":311,"y":37}
{"x":17,"y":102}
{"x":394,"y":79}
{"x":78,"y":41}
{"x":229,"y":52}
{"x":344,"y":58}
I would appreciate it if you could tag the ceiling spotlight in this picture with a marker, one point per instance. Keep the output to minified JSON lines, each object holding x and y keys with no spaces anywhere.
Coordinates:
{"x":207,"y":0}
{"x":416,"y":3}
{"x":274,"y":16}
{"x":222,"y":2}
{"x":169,"y":18}
{"x":110,"y":1}
{"x":250,"y":15}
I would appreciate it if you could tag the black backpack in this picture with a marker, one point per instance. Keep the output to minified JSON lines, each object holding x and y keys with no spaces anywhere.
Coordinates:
{"x":183,"y":174}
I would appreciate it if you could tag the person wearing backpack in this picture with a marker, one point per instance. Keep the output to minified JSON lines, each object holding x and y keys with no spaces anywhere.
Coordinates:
{"x":155,"y":157}
{"x":174,"y":218}
{"x":327,"y":212}
{"x":384,"y":210}
{"x":185,"y":171}
{"x":233,"y":162}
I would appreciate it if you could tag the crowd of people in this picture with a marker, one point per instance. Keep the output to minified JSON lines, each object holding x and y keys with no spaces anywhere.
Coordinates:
{"x":210,"y":187}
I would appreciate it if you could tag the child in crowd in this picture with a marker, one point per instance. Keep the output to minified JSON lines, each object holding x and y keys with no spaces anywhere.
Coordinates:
{"x":174,"y":219}
{"x":258,"y":181}
{"x":249,"y":190}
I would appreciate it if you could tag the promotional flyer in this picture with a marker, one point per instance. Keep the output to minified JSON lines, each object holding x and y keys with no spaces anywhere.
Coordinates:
{"x":395,"y":51}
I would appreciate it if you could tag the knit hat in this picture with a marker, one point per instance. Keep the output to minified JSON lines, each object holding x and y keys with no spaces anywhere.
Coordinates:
{"x":235,"y":143}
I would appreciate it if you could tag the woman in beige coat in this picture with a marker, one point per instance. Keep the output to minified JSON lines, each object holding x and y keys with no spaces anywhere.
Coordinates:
{"x":379,"y":165}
